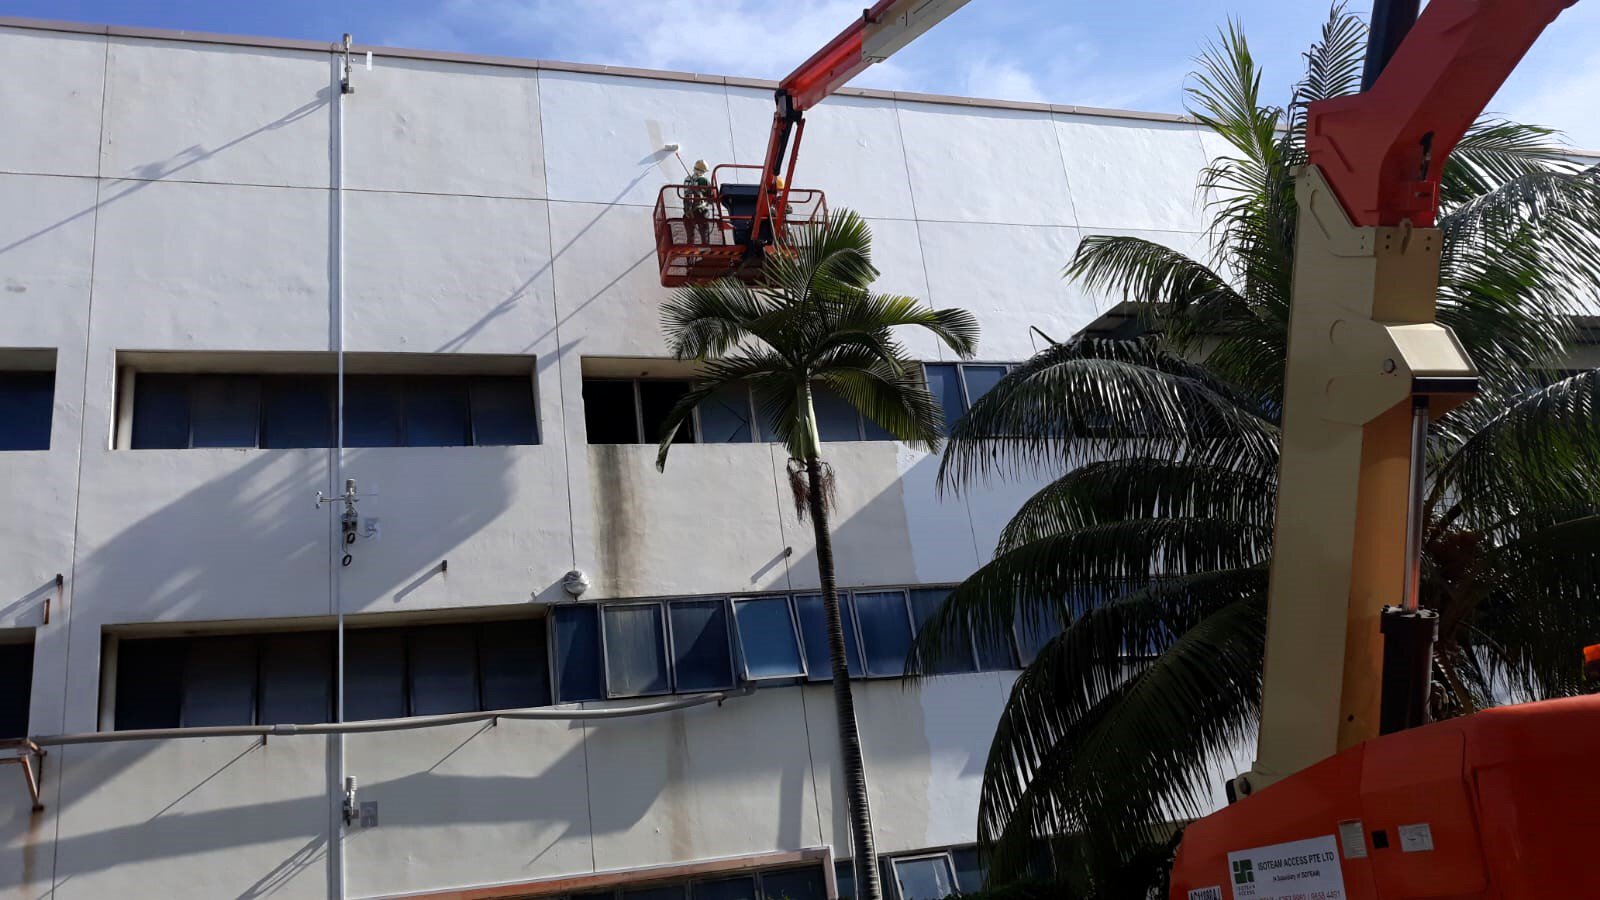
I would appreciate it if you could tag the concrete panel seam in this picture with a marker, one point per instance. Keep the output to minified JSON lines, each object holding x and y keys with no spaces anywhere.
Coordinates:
{"x":1061,"y":154}
{"x":561,"y":378}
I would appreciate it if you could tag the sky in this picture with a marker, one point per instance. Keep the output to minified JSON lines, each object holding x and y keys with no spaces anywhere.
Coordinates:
{"x":1132,"y":54}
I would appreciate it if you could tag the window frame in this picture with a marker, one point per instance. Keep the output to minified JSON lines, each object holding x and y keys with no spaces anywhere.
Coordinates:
{"x":949,"y":864}
{"x":861,"y":638}
{"x":728,"y":634}
{"x":799,"y":640}
{"x":666,"y":649}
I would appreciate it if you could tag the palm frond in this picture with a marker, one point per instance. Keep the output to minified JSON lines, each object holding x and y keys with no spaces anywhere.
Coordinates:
{"x":1494,"y":152}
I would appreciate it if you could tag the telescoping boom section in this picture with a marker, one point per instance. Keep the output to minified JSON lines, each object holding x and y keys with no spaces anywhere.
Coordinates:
{"x":745,"y":213}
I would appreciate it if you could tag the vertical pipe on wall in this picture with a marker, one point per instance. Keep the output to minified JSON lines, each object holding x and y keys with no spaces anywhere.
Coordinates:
{"x":336,"y":549}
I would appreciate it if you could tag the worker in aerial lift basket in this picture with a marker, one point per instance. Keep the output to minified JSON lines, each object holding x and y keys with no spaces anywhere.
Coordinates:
{"x":696,"y":204}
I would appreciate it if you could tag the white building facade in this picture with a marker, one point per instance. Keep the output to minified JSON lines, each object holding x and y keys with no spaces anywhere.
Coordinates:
{"x":191,"y":226}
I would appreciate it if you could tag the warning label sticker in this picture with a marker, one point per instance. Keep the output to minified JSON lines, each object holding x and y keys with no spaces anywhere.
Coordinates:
{"x":1206,"y":893}
{"x":1297,"y":870}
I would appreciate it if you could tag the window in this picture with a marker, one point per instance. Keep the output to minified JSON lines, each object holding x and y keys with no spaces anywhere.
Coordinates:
{"x":27,"y":400}
{"x":885,"y":626}
{"x":633,"y":411}
{"x":955,"y":387}
{"x":577,"y":628}
{"x":739,"y":887}
{"x":635,"y":649}
{"x":814,"y":628}
{"x":178,"y":411}
{"x":768,"y":638}
{"x":288,"y":678}
{"x":1034,"y":628}
{"x":924,"y":603}
{"x":792,"y":883}
{"x":837,"y":420}
{"x":700,"y":648}
{"x":925,"y":877}
{"x":726,"y":417}
{"x":16,"y":673}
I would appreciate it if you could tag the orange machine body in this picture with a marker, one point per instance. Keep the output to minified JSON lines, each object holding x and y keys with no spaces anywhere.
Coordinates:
{"x":1502,"y":804}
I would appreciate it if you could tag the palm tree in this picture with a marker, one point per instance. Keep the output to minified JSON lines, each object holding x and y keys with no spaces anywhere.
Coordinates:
{"x":814,"y":323}
{"x":1152,"y":550}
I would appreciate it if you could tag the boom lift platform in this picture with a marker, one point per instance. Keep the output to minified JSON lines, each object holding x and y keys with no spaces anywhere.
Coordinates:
{"x":749,"y":212}
{"x":1501,"y":804}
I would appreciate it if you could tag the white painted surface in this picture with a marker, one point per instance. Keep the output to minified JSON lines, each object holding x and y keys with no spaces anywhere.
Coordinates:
{"x":1132,"y":174}
{"x":491,"y":210}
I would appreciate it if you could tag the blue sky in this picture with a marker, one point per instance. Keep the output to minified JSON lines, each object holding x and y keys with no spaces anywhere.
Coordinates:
{"x":1130,"y":54}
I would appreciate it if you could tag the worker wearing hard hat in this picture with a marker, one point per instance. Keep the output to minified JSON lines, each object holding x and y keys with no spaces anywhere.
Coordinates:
{"x":696,"y":204}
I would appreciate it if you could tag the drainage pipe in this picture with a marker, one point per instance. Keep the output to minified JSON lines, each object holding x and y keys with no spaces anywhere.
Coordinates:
{"x":405,"y":724}
{"x":336,"y":548}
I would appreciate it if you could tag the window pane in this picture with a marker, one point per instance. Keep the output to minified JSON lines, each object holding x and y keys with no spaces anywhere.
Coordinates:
{"x":297,"y":678}
{"x":26,"y":402}
{"x":374,"y":675}
{"x":609,"y":411}
{"x":837,"y":420}
{"x":224,"y":411}
{"x":636,"y":656}
{"x":219,"y":682}
{"x":996,"y":654}
{"x":725,"y":415}
{"x":770,"y":647}
{"x":436,"y":412}
{"x":502,"y":411}
{"x":969,"y":869}
{"x":150,"y":683}
{"x":885,"y":630}
{"x":444,"y":670}
{"x":873,"y":431}
{"x":700,"y":645}
{"x":656,"y":399}
{"x":944,"y":384}
{"x":981,"y":380}
{"x":742,"y":887}
{"x":513,"y":663}
{"x":372,"y":411}
{"x":1036,"y":626}
{"x":844,"y":878}
{"x":161,"y":412}
{"x":577,"y":652}
{"x":794,"y":884}
{"x":298,"y":411}
{"x":924,"y":603}
{"x":16,"y":673}
{"x":814,"y":626}
{"x":928,"y":878}
{"x":763,"y":402}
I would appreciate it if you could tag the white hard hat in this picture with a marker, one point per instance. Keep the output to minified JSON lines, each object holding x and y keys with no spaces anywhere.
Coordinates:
{"x":700,"y":165}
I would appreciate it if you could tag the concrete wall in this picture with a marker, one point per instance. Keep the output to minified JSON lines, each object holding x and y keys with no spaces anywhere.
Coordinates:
{"x":159,"y":194}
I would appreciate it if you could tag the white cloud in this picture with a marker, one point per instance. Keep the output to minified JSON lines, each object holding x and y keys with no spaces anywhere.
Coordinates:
{"x":1002,"y":81}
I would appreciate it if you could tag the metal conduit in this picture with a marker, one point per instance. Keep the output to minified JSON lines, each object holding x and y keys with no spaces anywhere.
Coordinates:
{"x":377,"y":725}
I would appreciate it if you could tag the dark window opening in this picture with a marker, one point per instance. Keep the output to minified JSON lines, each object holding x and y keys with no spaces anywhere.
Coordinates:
{"x":610,"y":414}
{"x":16,"y":673}
{"x":27,"y":401}
{"x":179,"y":411}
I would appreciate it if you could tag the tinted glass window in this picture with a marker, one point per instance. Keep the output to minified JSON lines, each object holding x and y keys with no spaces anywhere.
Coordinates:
{"x":725,"y":416}
{"x":669,"y":892}
{"x":372,"y":411}
{"x":765,"y":406}
{"x":742,"y":887}
{"x":656,"y":399}
{"x":502,"y":411}
{"x":636,"y":652}
{"x":885,"y":630}
{"x":700,"y":645}
{"x":945,"y":385}
{"x":26,"y":402}
{"x":443,"y":670}
{"x":219,"y":682}
{"x":969,"y":869}
{"x":160,"y":412}
{"x":223,"y":410}
{"x":927,"y":878}
{"x":16,"y":673}
{"x":795,"y":884}
{"x":577,"y":652}
{"x":374,"y":674}
{"x":844,"y":878}
{"x":770,"y":647}
{"x":1036,"y":626}
{"x":981,"y":380}
{"x":837,"y":420}
{"x":814,"y":626}
{"x":513,"y":666}
{"x":150,"y":683}
{"x":296,"y":678}
{"x":873,"y":431}
{"x":436,"y":412}
{"x":297,"y":411}
{"x":924,"y":603}
{"x":609,"y":412}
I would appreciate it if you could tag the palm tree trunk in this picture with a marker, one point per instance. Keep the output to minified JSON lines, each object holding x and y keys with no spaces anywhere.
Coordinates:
{"x":844,"y":707}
